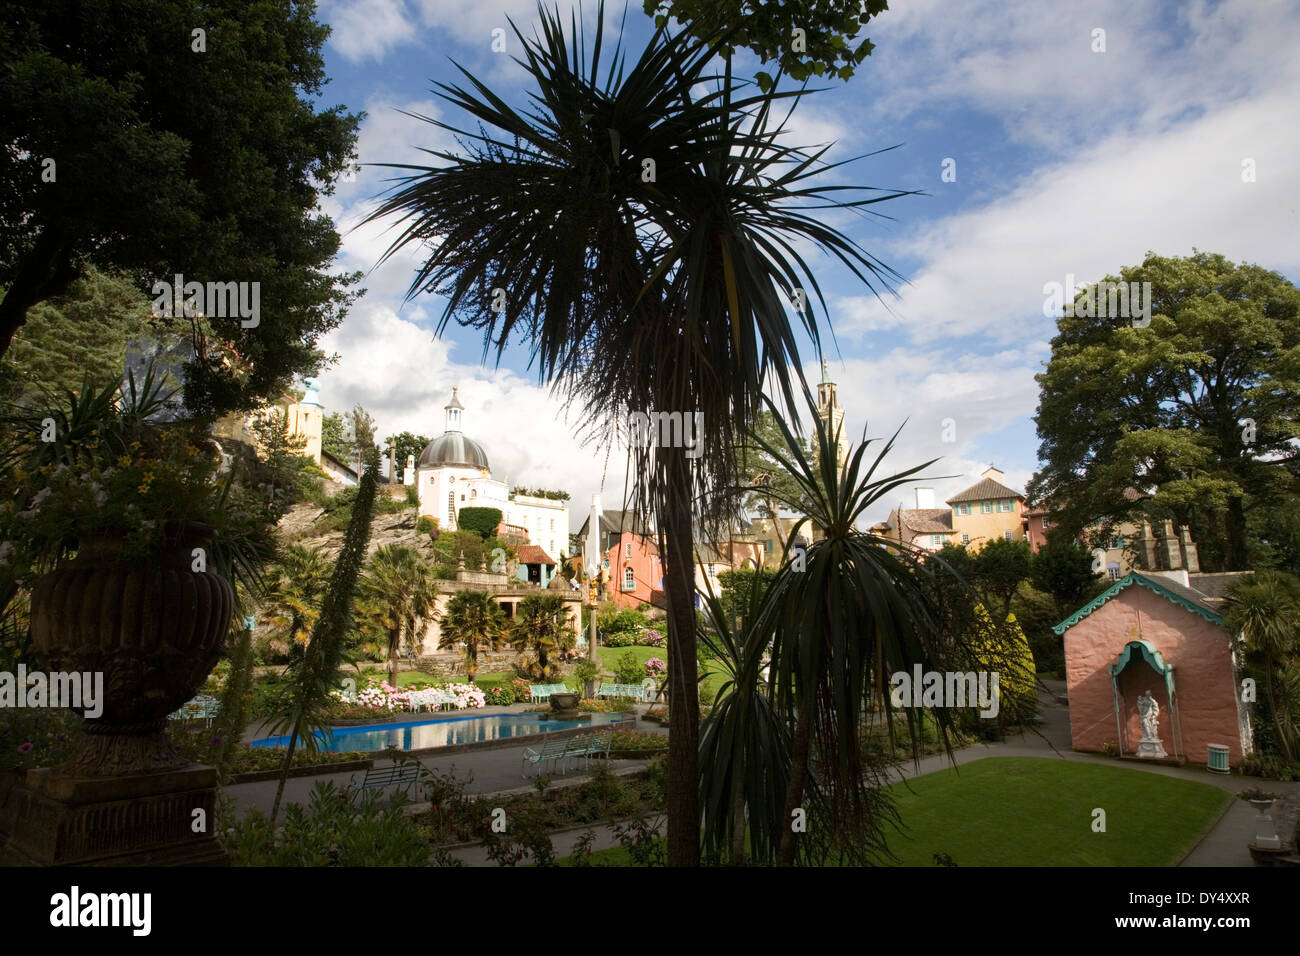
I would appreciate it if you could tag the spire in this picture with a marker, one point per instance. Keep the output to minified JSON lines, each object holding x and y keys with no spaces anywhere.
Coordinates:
{"x":826,"y":373}
{"x":453,"y":409}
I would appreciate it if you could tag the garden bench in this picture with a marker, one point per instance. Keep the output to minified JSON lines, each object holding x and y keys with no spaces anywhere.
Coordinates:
{"x":552,"y":750}
{"x":589,"y":745}
{"x":630,"y":691}
{"x":540,"y":693}
{"x":400,"y":775}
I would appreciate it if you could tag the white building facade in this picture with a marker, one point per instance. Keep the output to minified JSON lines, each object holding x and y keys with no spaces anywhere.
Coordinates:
{"x":453,"y":473}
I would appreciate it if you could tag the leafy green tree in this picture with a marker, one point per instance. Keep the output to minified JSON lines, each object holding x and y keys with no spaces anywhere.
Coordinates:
{"x":855,"y":609}
{"x":762,"y":477}
{"x":82,"y":333}
{"x":644,"y":242}
{"x":167,"y":159}
{"x":314,"y":674}
{"x":1265,"y":608}
{"x":334,"y":437}
{"x":396,"y":595}
{"x":288,"y":472}
{"x":804,"y":37}
{"x":1196,"y":412}
{"x":997,"y":570}
{"x":1063,"y":569}
{"x":739,"y":585}
{"x":472,"y":618}
{"x":541,"y":624}
{"x":405,"y":445}
{"x":482,"y":521}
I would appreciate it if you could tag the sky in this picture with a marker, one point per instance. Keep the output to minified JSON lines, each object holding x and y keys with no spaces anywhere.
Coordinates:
{"x":1068,"y":160}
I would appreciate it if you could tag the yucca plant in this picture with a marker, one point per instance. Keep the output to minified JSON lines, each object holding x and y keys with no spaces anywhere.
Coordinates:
{"x":645,"y":243}
{"x":1264,"y":608}
{"x":847,"y":613}
{"x":541,"y":624}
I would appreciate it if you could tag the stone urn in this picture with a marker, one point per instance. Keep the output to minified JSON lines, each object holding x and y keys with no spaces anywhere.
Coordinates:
{"x":564,"y":705}
{"x":154,"y":628}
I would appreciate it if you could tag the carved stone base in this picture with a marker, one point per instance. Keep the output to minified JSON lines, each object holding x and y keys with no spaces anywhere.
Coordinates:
{"x":53,"y":819}
{"x":1151,"y":749}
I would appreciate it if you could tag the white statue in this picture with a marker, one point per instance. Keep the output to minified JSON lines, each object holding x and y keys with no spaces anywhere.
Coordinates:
{"x":1150,"y":745}
{"x":1149,"y":711}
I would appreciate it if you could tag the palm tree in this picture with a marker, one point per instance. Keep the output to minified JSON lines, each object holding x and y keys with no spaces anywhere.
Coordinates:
{"x":1264,"y":608}
{"x":472,"y":618}
{"x":644,"y":242}
{"x":541,"y":622}
{"x":297,"y":582}
{"x":396,"y":594}
{"x":854,"y":609}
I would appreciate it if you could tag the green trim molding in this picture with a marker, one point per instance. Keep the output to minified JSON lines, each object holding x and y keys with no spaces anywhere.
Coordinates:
{"x":1151,"y":584}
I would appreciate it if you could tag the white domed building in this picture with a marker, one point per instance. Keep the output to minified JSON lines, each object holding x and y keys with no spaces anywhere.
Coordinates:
{"x":453,"y":473}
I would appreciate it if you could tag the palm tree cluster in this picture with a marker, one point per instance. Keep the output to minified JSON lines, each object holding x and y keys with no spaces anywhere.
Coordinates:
{"x":1264,"y":608}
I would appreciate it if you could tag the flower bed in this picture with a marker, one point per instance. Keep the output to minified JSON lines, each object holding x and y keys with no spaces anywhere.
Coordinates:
{"x":637,"y":743}
{"x":382,"y":698}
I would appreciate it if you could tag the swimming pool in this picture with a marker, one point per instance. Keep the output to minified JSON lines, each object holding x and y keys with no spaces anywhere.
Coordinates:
{"x":443,"y":732}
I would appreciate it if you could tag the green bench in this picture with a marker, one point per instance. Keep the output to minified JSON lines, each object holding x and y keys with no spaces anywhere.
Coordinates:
{"x":540,"y":693}
{"x":629,"y":691}
{"x":561,"y":752}
{"x":400,"y":776}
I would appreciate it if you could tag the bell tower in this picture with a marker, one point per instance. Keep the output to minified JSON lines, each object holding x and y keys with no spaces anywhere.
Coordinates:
{"x":830,"y":412}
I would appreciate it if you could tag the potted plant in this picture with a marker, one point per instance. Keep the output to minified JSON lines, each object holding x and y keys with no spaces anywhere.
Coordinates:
{"x":128,"y":541}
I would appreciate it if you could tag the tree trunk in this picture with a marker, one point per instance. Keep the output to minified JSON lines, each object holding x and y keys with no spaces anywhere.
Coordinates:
{"x":1235,"y":527}
{"x":799,"y":753}
{"x":737,"y":813}
{"x":394,"y":642}
{"x":683,"y":669}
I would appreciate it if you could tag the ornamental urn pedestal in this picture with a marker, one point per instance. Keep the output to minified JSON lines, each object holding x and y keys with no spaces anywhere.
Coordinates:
{"x":154,"y":629}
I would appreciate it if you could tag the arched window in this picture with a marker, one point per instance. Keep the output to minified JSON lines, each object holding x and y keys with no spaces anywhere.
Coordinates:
{"x":629,"y":580}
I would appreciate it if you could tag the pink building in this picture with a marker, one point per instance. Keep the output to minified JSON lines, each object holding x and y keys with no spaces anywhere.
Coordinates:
{"x":1152,"y":633}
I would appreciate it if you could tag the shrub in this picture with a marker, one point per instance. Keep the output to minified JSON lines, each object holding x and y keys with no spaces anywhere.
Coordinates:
{"x":502,"y":694}
{"x":620,"y":639}
{"x":649,"y":637}
{"x":628,"y":670}
{"x":481,"y":521}
{"x":425,"y":524}
{"x":655,"y":666}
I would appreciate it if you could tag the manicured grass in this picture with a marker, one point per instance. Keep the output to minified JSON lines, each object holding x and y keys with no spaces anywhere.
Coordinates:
{"x":409,"y":677}
{"x":1025,"y":811}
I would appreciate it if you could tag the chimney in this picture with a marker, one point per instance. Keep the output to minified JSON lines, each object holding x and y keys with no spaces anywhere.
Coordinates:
{"x":924,"y":498}
{"x":408,"y":473}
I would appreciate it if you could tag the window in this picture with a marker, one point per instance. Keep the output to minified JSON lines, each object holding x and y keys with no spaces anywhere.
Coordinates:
{"x":462,"y":497}
{"x":767,"y":545}
{"x":627,"y":550}
{"x":963,"y":508}
{"x":1113,"y":570}
{"x":986,"y":507}
{"x":939,"y":540}
{"x":552,"y":524}
{"x":711,"y":571}
{"x":629,"y":580}
{"x":965,"y":539}
{"x":1045,"y":523}
{"x":1006,"y":504}
{"x":1006,"y":535}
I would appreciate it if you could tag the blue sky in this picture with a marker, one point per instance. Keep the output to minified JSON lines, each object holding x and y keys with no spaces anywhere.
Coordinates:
{"x":1067,"y":161}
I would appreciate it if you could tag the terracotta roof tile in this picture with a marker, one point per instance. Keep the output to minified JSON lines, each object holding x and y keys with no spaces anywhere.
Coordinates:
{"x":985,"y":490}
{"x":532,"y":554}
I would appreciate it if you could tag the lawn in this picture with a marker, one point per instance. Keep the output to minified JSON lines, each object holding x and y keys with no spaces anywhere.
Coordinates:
{"x":1026,"y":811}
{"x":608,"y":655}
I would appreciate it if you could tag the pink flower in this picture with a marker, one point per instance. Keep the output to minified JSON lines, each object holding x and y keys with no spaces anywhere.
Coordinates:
{"x":25,"y":746}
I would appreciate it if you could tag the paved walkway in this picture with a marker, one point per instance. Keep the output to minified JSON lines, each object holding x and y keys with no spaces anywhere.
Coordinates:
{"x":498,"y":769}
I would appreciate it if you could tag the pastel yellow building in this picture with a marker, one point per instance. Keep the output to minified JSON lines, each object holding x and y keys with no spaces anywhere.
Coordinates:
{"x":986,"y":511}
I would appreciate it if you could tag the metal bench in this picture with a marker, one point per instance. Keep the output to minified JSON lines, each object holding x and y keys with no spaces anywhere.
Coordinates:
{"x":589,"y":745}
{"x":630,"y":691}
{"x":552,"y":750}
{"x":202,"y":708}
{"x":401,"y":775}
{"x":540,"y":693}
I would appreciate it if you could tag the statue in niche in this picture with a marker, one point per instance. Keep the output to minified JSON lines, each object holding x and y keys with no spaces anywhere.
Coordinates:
{"x":1150,"y":745}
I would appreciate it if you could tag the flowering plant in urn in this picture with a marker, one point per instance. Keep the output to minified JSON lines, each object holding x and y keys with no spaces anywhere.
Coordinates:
{"x":126,"y":540}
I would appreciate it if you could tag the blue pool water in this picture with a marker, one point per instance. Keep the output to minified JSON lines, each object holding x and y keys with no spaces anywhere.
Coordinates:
{"x":442,"y":732}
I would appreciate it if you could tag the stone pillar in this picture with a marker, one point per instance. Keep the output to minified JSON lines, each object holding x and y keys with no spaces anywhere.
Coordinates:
{"x":1170,"y":557}
{"x":1191,"y":558}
